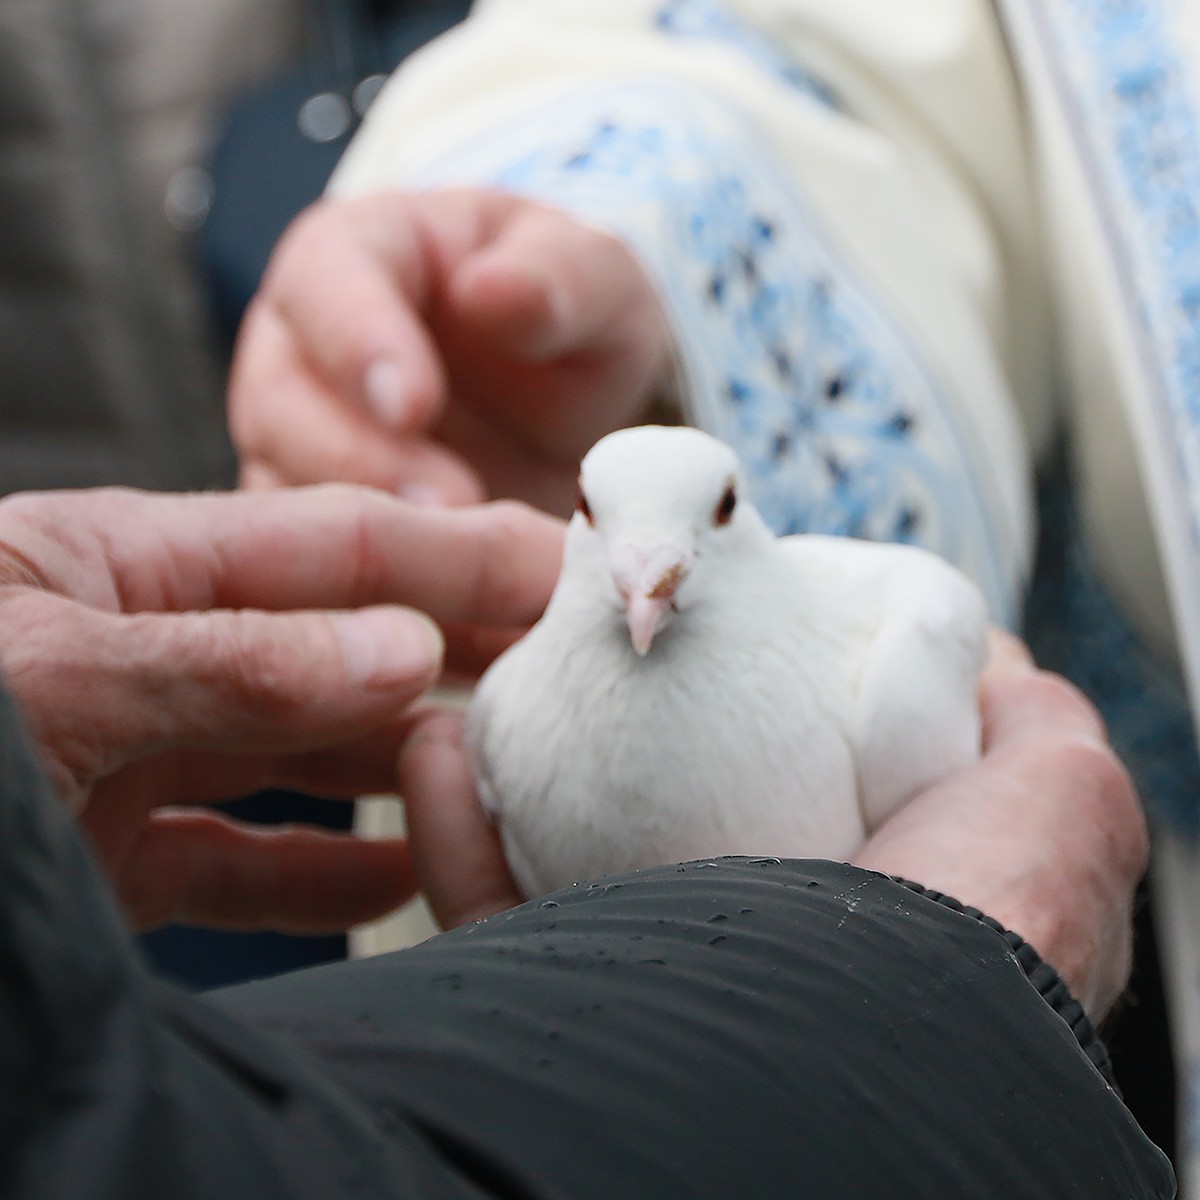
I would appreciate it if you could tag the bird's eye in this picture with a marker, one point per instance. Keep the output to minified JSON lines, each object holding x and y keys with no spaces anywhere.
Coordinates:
{"x":582,"y":506}
{"x":724,"y":512}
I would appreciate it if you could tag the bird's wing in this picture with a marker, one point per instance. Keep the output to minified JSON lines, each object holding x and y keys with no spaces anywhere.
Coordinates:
{"x":915,"y":709}
{"x":917,"y":704}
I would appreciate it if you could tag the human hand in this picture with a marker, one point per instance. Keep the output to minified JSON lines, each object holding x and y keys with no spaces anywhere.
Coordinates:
{"x":136,"y":636}
{"x":444,"y":345}
{"x":1045,"y":833}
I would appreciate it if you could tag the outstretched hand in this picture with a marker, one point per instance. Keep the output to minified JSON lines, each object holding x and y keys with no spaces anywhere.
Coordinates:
{"x":446,"y":346}
{"x":172,"y":652}
{"x":1044,"y":833}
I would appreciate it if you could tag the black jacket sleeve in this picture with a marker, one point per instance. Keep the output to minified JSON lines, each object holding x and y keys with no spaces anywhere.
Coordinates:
{"x":740,"y":1027}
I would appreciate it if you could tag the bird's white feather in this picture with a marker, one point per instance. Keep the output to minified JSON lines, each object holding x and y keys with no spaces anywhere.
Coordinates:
{"x":798,"y":691}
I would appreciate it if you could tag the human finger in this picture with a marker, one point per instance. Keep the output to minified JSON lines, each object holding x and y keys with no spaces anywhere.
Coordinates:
{"x":202,"y":868}
{"x":572,"y":319}
{"x":457,"y":854}
{"x":1020,"y":702}
{"x":186,"y":777}
{"x":286,"y":418}
{"x":327,"y":547}
{"x":349,"y":279}
{"x":1006,"y":651}
{"x":547,"y":284}
{"x":245,"y":681}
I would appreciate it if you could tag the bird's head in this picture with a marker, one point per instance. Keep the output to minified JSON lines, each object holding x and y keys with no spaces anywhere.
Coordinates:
{"x":660,"y":512}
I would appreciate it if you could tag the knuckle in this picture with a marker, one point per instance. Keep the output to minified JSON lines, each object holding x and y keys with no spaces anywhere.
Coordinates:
{"x":1109,"y":800}
{"x":255,"y":670}
{"x":509,"y":521}
{"x":55,"y":643}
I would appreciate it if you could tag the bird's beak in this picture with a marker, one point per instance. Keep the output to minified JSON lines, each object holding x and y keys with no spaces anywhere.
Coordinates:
{"x":650,"y":597}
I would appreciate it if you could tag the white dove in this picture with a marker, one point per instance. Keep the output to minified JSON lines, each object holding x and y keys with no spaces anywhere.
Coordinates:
{"x":699,"y":687}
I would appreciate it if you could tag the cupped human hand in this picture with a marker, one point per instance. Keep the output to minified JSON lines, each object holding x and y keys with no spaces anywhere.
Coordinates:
{"x":170,"y":652}
{"x":1045,"y":834}
{"x":446,"y":346}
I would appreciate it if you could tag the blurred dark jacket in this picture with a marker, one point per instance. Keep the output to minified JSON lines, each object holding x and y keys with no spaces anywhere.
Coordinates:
{"x":107,"y":371}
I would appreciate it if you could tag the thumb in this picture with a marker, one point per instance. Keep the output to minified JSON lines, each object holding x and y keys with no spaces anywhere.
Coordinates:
{"x":1020,"y":702}
{"x":456,"y":850}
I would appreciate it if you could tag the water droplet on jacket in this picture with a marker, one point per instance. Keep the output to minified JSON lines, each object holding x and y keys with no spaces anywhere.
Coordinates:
{"x":549,"y":904}
{"x":744,"y":911}
{"x":713,"y":941}
{"x":717,"y":917}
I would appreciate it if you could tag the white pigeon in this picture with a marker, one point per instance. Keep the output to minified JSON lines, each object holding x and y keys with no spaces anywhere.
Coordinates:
{"x":699,"y":687}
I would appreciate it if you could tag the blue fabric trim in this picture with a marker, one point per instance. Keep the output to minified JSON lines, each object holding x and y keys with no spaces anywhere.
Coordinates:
{"x":712,"y":21}
{"x":842,"y":426}
{"x":1135,"y":118}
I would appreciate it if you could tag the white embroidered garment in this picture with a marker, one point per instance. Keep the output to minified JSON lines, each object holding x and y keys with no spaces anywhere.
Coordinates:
{"x":844,"y":260}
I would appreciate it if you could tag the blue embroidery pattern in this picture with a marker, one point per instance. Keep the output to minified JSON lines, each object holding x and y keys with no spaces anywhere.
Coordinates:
{"x":711,"y":20}
{"x":841,"y":425}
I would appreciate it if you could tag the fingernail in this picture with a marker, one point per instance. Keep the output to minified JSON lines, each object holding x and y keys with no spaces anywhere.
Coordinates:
{"x":387,"y":649}
{"x":383,"y":386}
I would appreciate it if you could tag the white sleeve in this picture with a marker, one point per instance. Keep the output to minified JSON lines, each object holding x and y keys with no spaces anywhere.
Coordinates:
{"x":832,"y":202}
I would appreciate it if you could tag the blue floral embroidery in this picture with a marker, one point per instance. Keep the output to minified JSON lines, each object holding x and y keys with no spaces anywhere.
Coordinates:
{"x":711,"y":20}
{"x":841,"y":425}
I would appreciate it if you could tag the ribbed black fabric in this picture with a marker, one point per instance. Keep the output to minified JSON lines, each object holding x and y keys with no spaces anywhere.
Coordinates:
{"x":1044,"y":978}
